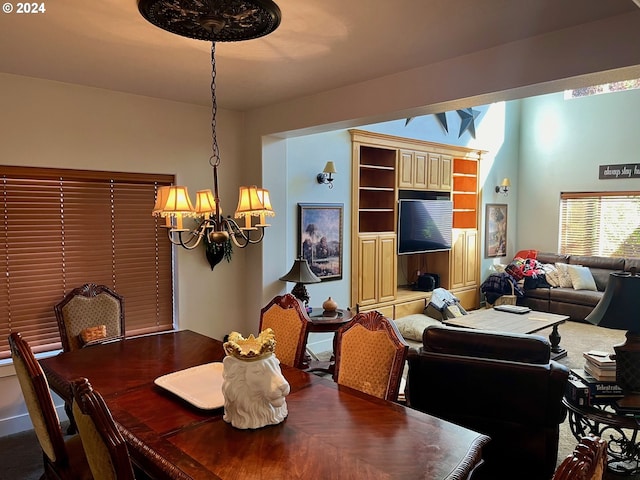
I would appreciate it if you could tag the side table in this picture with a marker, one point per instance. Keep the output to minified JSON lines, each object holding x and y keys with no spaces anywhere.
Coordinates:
{"x":619,"y":430}
{"x":323,"y":322}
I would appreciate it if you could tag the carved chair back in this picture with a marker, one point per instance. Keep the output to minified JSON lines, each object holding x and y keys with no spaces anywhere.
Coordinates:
{"x":105,"y":447}
{"x":587,"y":462}
{"x":370,"y":355}
{"x":288,"y":319}
{"x":64,"y":460}
{"x":89,"y":306}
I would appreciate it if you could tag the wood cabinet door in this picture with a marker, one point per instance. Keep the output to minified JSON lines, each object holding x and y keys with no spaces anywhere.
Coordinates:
{"x":420,"y":170}
{"x":471,"y":258}
{"x":446,"y":169}
{"x":405,"y":169}
{"x":368,"y":272}
{"x":433,"y":179}
{"x":457,"y":267}
{"x":387,"y":272}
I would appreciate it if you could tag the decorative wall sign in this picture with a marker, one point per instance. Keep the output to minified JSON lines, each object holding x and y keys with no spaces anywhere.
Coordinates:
{"x":495,"y":242}
{"x":320,"y":238}
{"x":622,"y":170}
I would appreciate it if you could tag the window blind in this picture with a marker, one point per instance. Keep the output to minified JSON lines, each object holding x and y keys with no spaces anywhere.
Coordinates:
{"x":602,"y":223}
{"x":64,"y":228}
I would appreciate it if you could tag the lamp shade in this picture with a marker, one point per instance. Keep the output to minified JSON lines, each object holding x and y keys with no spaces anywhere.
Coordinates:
{"x":505,"y":182}
{"x":178,"y":202}
{"x":300,"y":273}
{"x":618,"y":307}
{"x":265,"y":199}
{"x":248,"y":202}
{"x":161,"y":200}
{"x":205,"y":202}
{"x":329,"y":168}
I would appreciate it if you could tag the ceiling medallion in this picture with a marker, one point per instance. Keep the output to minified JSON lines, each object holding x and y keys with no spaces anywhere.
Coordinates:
{"x":213,"y":20}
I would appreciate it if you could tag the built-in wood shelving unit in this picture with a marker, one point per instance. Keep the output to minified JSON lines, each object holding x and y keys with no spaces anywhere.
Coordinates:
{"x":386,"y":168}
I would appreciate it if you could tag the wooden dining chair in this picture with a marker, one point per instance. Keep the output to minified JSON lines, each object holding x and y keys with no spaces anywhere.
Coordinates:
{"x":288,"y":319}
{"x":587,"y":462}
{"x":105,"y":447}
{"x":64,"y":460}
{"x":370,"y":355}
{"x":89,"y":314}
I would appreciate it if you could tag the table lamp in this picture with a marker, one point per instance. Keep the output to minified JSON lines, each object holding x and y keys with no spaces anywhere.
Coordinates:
{"x":619,"y":308}
{"x":301,"y":274}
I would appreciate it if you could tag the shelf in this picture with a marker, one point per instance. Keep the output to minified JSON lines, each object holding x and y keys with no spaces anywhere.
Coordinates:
{"x":376,"y":167}
{"x":377,"y":189}
{"x":473,"y":175}
{"x":464,"y":209}
{"x":376,"y":210}
{"x":465,"y":166}
{"x":376,"y":221}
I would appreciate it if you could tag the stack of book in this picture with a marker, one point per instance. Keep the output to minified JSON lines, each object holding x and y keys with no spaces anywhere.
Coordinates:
{"x":600,"y":365}
{"x":583,"y":389}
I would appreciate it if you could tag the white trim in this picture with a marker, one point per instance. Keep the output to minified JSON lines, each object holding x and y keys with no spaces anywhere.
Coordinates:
{"x":6,"y":365}
{"x":21,"y":423}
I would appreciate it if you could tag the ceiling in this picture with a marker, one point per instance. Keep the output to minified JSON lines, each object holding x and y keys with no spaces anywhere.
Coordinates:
{"x":320,"y":45}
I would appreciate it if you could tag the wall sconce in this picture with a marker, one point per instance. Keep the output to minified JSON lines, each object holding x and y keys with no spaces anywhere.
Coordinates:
{"x":325,"y":176}
{"x":503,"y":188}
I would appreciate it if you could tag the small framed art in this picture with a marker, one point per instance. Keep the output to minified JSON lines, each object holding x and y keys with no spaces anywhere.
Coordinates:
{"x":495,"y":241}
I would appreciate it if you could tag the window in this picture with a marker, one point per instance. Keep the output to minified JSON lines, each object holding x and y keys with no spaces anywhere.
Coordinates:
{"x":63,"y":228}
{"x":604,"y":88}
{"x":606,"y":224}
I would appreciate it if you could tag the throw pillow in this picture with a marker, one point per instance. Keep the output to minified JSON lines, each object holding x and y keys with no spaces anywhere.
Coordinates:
{"x":91,"y":334}
{"x":581,"y":278}
{"x":564,"y":279}
{"x":412,"y":326}
{"x":551,"y":274}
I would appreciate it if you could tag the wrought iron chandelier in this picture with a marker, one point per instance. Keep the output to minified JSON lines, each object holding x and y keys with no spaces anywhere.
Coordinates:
{"x":214,"y":21}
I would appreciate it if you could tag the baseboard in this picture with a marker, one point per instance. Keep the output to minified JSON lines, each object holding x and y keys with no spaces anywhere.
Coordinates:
{"x":20,"y":423}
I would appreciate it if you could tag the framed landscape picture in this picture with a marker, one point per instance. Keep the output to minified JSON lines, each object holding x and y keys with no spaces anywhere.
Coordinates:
{"x":320,"y":238}
{"x":495,"y":241}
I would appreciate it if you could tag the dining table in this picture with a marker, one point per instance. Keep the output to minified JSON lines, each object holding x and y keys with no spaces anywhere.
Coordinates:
{"x":331,"y":431}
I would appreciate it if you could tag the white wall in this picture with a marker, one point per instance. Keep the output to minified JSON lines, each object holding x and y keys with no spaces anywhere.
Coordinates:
{"x":563,"y":144}
{"x":52,"y":124}
{"x":306,"y":157}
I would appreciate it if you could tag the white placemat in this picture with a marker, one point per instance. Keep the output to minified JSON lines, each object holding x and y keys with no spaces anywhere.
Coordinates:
{"x":201,"y":386}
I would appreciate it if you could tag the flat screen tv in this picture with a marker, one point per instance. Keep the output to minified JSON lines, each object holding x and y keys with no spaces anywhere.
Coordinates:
{"x":424,"y":225}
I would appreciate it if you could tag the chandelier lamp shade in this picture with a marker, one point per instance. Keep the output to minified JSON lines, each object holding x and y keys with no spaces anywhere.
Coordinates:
{"x":214,"y":21}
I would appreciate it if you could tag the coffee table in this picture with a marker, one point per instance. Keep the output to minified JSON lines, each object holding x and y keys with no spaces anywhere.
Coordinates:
{"x":531,"y":322}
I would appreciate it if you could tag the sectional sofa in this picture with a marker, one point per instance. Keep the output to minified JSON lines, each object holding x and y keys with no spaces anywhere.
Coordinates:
{"x":576,"y":303}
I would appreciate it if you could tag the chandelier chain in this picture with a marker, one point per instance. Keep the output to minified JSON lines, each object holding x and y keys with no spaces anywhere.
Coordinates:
{"x":215,"y":157}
